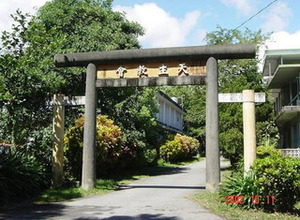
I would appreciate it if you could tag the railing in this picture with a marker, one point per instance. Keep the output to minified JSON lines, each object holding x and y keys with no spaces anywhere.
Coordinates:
{"x":292,"y":152}
{"x":291,"y":95}
{"x":294,"y":102}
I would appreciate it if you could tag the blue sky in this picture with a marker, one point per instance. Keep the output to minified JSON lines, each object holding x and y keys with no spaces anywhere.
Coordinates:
{"x":185,"y":23}
{"x":194,"y":18}
{"x":226,"y":13}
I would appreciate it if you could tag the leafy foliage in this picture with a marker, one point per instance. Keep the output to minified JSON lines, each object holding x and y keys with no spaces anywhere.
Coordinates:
{"x":192,"y":99}
{"x":272,"y":175}
{"x":189,"y":145}
{"x":29,"y":78}
{"x":136,"y":117}
{"x":278,"y":176}
{"x":180,"y":149}
{"x":23,"y":92}
{"x":235,"y":76}
{"x":21,"y":176}
{"x":171,"y":151}
{"x":111,"y":153}
{"x":241,"y":185}
{"x":267,"y":150}
{"x":231,"y":145}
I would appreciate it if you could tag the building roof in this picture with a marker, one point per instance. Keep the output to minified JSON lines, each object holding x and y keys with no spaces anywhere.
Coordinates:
{"x":164,"y":95}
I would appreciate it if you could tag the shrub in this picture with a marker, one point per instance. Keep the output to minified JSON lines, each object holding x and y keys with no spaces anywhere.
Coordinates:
{"x":112,"y":154}
{"x":171,"y":151}
{"x":278,"y":176}
{"x":180,"y":148}
{"x":268,"y":150}
{"x":21,"y":175}
{"x":272,"y":176}
{"x":240,"y":185}
{"x":189,"y":145}
{"x":231,"y":145}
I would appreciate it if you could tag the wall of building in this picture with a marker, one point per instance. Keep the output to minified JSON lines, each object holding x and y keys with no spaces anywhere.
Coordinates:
{"x":170,"y":114}
{"x":289,"y":95}
{"x":282,"y":67}
{"x":290,"y":134}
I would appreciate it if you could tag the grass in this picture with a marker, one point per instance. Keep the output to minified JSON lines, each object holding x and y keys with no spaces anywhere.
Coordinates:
{"x":213,"y":203}
{"x":58,"y":195}
{"x":102,"y":186}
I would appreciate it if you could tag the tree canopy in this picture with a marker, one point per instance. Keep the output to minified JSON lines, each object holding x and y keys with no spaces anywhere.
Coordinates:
{"x":234,"y":77}
{"x":28,"y":77}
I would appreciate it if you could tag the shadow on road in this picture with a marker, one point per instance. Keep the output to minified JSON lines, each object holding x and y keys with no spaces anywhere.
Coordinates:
{"x":43,"y":211}
{"x":57,"y":211}
{"x":163,"y":170}
{"x":148,"y":171}
{"x":160,"y":187}
{"x":141,"y":217}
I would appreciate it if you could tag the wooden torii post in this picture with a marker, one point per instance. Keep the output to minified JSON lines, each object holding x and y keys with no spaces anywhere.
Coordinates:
{"x":154,"y":67}
{"x":59,"y":102}
{"x":248,"y":98}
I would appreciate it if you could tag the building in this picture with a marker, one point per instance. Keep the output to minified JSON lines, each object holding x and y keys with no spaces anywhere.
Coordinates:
{"x":170,"y":114}
{"x":282,"y":70}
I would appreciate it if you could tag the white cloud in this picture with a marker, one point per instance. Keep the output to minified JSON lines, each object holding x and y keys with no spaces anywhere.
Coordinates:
{"x":8,"y":7}
{"x":277,"y":19}
{"x":243,"y":6}
{"x":277,"y":41}
{"x":201,"y":34}
{"x":284,"y":40}
{"x":161,"y":29}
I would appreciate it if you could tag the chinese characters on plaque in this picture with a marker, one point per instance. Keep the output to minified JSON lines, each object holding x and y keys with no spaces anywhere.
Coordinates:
{"x":162,"y":71}
{"x":152,"y":69}
{"x":142,"y":71}
{"x":182,"y":70}
{"x":121,"y":71}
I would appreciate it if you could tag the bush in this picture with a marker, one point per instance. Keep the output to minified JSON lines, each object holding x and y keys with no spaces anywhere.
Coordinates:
{"x":112,"y":154}
{"x":171,"y":151}
{"x":278,"y":176}
{"x":267,"y":150}
{"x":272,"y":176}
{"x":189,"y":145}
{"x":21,"y":176}
{"x":240,"y":185}
{"x":231,"y":143}
{"x":180,"y":149}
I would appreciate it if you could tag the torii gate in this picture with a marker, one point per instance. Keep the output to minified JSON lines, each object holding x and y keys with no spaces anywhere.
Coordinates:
{"x":154,"y":67}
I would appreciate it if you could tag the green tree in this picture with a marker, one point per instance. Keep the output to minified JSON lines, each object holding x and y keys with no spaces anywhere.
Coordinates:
{"x":192,"y":99}
{"x":24,"y":86}
{"x":84,"y":26}
{"x":28,"y":77}
{"x":136,"y":116}
{"x":235,"y":76}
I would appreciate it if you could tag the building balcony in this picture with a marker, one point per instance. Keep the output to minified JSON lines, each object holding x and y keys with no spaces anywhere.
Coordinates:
{"x":286,"y":114}
{"x":283,"y":74}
